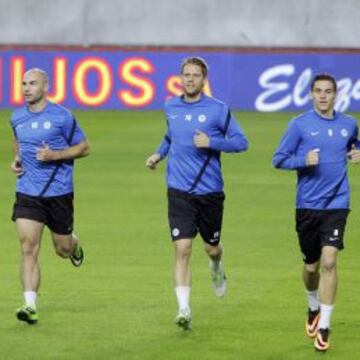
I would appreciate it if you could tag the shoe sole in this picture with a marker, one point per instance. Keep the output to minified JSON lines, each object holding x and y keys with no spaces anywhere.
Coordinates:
{"x":321,"y":349}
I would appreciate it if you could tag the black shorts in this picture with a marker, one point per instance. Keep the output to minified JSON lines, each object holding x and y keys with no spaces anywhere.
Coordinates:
{"x":189,"y":214}
{"x":56,"y":211}
{"x":317,"y":228}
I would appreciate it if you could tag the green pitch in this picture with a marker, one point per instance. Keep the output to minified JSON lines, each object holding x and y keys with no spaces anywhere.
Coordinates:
{"x":120,"y":304}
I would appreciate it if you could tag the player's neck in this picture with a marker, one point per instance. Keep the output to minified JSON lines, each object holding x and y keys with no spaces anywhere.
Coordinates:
{"x":328,"y":114}
{"x":38,"y":106}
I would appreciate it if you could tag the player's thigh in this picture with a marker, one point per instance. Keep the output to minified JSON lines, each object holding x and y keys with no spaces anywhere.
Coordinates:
{"x":29,"y":232}
{"x":308,"y":229}
{"x":182,"y":215}
{"x":62,"y":243}
{"x":211,"y":209}
{"x":60,"y":215}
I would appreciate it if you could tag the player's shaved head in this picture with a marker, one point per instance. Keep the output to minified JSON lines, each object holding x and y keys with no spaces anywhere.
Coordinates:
{"x":41,"y":73}
{"x":35,"y":88}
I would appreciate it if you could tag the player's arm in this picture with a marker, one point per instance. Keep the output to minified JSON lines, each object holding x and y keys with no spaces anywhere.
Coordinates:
{"x":78,"y":144}
{"x":354,"y":148}
{"x":285,"y":156}
{"x":234,"y":139}
{"x":77,"y":151}
{"x":160,"y":153}
{"x":16,"y":165}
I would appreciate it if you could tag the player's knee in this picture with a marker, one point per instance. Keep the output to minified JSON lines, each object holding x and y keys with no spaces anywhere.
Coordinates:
{"x":62,"y":254}
{"x":212,"y":250}
{"x":183,"y":251}
{"x":29,"y":246}
{"x":328,"y":264}
{"x":63,"y":250}
{"x":312,"y":269}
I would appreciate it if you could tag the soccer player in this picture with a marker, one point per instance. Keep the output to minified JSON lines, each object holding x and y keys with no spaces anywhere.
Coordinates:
{"x":47,"y":139}
{"x":318,"y":144}
{"x":199,"y":129}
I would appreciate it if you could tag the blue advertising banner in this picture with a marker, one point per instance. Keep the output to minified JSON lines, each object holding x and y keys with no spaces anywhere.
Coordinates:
{"x":118,"y":80}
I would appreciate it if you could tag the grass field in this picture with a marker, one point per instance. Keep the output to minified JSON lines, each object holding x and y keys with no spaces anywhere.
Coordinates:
{"x":121,"y":305}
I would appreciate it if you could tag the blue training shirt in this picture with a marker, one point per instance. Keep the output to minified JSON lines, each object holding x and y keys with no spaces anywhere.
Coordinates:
{"x":190,"y":169}
{"x":52,"y":126}
{"x":324,"y":186}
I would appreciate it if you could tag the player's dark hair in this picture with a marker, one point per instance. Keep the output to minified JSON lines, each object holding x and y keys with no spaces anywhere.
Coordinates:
{"x":323,"y":76}
{"x":196,"y":60}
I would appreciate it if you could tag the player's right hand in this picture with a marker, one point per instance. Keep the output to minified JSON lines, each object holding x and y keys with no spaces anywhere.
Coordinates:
{"x":17,"y":168}
{"x":312,"y":157}
{"x":152,"y":161}
{"x":354,"y":155}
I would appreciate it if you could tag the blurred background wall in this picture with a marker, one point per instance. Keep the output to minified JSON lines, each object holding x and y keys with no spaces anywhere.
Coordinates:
{"x":125,"y":54}
{"x":270,"y":23}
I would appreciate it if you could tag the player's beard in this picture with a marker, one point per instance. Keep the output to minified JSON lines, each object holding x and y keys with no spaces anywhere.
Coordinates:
{"x":193,"y":94}
{"x":35,"y":100}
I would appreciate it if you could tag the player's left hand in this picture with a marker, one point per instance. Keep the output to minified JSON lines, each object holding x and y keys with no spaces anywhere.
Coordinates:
{"x":201,"y":140}
{"x":354,"y":155}
{"x":45,"y":153}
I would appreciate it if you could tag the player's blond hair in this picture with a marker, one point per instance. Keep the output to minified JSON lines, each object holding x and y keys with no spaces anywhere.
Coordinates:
{"x":196,"y":60}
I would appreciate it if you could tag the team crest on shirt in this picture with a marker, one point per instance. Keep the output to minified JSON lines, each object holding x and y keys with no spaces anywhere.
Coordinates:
{"x":47,"y":125}
{"x":188,"y":117}
{"x":344,"y":133}
{"x":202,"y":118}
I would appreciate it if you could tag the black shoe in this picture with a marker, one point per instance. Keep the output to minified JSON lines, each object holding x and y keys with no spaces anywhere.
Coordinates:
{"x":77,"y":257}
{"x":322,"y":342}
{"x":27,"y":314}
{"x":312,"y":323}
